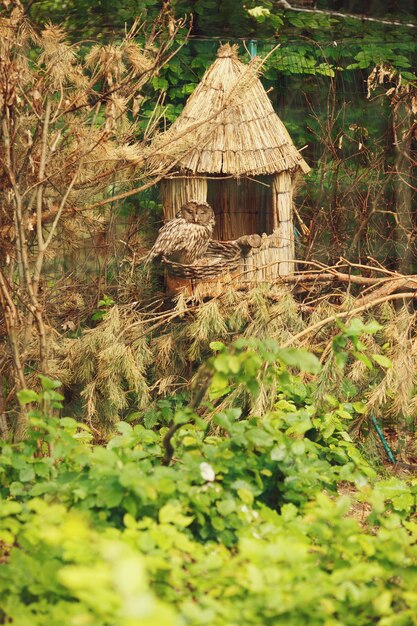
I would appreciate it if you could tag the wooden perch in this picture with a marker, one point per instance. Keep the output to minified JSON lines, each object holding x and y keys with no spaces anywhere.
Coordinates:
{"x":247,"y":242}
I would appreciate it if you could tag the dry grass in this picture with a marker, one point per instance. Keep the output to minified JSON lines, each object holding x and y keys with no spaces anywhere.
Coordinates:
{"x":108,"y":364}
{"x":395,"y":391}
{"x":133,"y":357}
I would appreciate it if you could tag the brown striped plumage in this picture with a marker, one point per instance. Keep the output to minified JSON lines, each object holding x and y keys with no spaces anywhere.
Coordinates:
{"x":185,"y":238}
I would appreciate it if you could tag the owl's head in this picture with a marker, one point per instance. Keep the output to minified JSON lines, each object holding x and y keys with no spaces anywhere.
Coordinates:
{"x":197,"y":212}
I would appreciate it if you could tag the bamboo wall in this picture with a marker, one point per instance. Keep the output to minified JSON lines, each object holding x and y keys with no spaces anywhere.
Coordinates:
{"x":266,"y":263}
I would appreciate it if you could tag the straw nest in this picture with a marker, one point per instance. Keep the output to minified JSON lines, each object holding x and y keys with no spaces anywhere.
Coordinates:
{"x":228,"y":125}
{"x":221,"y":256}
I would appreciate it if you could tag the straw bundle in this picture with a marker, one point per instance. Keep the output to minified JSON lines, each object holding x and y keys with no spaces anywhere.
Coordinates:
{"x":177,"y":191}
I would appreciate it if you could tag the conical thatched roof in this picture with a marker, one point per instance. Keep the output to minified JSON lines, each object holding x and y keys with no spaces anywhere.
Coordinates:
{"x":230,"y":127}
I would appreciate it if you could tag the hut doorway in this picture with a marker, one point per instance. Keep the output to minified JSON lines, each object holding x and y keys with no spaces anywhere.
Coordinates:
{"x":242,"y":206}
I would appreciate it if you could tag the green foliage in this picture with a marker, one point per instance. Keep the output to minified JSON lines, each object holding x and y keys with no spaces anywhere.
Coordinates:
{"x":353,"y":334}
{"x":48,"y":398}
{"x":65,"y":572}
{"x":104,"y":305}
{"x":245,"y":526}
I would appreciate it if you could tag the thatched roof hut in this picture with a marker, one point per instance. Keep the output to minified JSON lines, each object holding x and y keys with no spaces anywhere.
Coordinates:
{"x":235,"y":153}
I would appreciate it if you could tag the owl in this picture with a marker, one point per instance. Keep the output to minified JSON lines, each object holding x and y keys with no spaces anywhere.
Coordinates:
{"x":185,"y":239}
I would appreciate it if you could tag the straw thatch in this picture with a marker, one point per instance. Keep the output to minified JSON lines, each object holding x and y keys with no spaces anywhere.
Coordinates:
{"x":228,"y":125}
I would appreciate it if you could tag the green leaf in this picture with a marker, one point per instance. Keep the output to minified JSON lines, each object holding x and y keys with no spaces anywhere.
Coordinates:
{"x":219,"y":385}
{"x":9,"y":507}
{"x":253,"y":386}
{"x":222,"y":420}
{"x":259,"y":437}
{"x":331,"y":400}
{"x":227,"y":363}
{"x":48,"y":383}
{"x":53,"y":396}
{"x":160,"y":84}
{"x":382,"y":603}
{"x":124,"y":428}
{"x":27,"y":395}
{"x":217,"y":346}
{"x":171,"y":513}
{"x":341,"y":359}
{"x":360,"y":407}
{"x":301,"y":359}
{"x":27,"y":474}
{"x":279,"y":453}
{"x":135,"y":415}
{"x":98,"y":316}
{"x":7,"y":537}
{"x":382,"y":360}
{"x":111,"y":495}
{"x":372,"y":327}
{"x":225,"y":507}
{"x":365,"y":359}
{"x":404,"y":502}
{"x":343,"y":414}
{"x":246,"y":496}
{"x":183,"y":416}
{"x":298,"y":447}
{"x":259,"y":13}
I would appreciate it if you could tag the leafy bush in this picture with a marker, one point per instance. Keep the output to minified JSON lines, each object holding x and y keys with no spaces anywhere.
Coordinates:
{"x":245,"y":526}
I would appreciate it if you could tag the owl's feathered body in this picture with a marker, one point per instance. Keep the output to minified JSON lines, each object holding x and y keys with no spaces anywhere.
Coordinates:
{"x":185,"y":239}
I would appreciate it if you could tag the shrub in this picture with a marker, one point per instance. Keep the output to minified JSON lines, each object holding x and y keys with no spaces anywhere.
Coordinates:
{"x":245,"y":525}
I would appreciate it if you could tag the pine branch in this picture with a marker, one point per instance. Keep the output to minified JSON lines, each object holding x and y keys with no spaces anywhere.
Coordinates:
{"x":319,"y":325}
